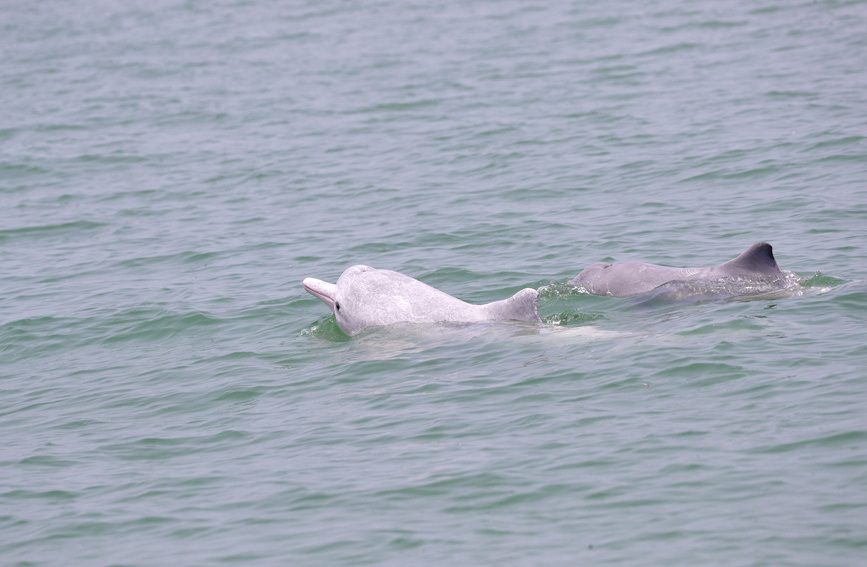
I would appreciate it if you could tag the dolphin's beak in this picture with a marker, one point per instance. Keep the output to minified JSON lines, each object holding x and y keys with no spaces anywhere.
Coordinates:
{"x":325,"y":291}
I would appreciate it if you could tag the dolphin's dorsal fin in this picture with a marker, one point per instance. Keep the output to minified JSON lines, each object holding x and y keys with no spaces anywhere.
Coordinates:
{"x":520,"y":307}
{"x":759,"y":258}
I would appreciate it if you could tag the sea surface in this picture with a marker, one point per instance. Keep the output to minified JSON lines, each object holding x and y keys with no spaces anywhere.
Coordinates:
{"x":171,"y":170}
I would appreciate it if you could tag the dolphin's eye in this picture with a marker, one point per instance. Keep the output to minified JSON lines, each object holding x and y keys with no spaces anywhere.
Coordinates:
{"x":337,"y":306}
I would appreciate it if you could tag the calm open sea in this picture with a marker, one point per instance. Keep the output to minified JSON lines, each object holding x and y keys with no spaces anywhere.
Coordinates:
{"x":171,"y":170}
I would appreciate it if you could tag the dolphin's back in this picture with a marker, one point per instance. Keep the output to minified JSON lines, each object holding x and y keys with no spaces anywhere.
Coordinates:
{"x":626,"y":279}
{"x":370,"y":297}
{"x":623,"y":279}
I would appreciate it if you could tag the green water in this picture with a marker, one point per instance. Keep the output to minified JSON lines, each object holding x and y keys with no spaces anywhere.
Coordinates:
{"x":171,"y":171}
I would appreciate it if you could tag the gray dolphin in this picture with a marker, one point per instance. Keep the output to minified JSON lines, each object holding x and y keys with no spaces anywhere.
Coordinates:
{"x":755,"y":267}
{"x":365,"y":296}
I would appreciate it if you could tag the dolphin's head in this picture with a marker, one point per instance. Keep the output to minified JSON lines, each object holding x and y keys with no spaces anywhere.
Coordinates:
{"x":340,"y":298}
